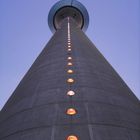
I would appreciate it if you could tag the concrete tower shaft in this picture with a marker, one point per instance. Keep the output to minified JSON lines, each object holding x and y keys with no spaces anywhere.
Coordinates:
{"x":89,"y":102}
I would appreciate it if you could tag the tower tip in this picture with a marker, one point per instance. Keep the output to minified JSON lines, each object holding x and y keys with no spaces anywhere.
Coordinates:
{"x":68,"y":8}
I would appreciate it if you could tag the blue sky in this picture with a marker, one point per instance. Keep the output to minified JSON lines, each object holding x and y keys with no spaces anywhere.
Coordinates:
{"x":114,"y":28}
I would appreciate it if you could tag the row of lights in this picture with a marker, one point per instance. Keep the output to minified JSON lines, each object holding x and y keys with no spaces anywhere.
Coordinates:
{"x":70,"y":111}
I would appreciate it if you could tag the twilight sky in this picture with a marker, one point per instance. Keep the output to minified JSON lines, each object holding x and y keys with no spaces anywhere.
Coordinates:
{"x":114,"y":28}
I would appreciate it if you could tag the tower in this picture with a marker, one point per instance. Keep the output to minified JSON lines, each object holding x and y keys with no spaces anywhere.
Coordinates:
{"x":70,"y":91}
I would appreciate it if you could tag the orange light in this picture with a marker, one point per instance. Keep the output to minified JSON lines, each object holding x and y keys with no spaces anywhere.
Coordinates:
{"x":72,"y":137}
{"x":71,"y":111}
{"x":70,"y":71}
{"x":70,"y":80}
{"x":70,"y":93}
{"x":70,"y":64}
{"x":69,"y":58}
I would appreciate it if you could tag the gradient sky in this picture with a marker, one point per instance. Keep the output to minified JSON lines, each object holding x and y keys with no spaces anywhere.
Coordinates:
{"x":114,"y":28}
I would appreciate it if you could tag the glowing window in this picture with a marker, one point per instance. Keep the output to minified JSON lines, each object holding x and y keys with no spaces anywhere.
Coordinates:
{"x":70,"y":93}
{"x":70,"y":80}
{"x":69,"y":58}
{"x":72,"y":137}
{"x":71,"y":111}
{"x":69,"y":46}
{"x":69,"y":50}
{"x":70,"y":71}
{"x":70,"y":64}
{"x":68,"y":43}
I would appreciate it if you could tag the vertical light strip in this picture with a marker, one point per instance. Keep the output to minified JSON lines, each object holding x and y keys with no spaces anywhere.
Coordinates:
{"x":69,"y":58}
{"x":70,"y":111}
{"x":68,"y":30}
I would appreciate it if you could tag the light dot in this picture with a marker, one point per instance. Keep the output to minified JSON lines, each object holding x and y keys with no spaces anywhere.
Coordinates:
{"x":70,"y":71}
{"x":71,"y":111}
{"x":68,"y":43}
{"x":70,"y":80}
{"x":69,"y":58}
{"x":69,"y":46}
{"x":70,"y":64}
{"x":69,"y":50}
{"x":70,"y":93}
{"x":72,"y":137}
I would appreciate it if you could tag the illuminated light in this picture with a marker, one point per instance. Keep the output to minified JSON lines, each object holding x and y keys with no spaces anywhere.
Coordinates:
{"x":70,"y":80}
{"x":72,"y":137}
{"x":70,"y":71}
{"x":69,"y":46}
{"x":70,"y":93}
{"x":70,"y":64}
{"x":71,"y":111}
{"x":69,"y":50}
{"x":68,"y":43}
{"x":69,"y":58}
